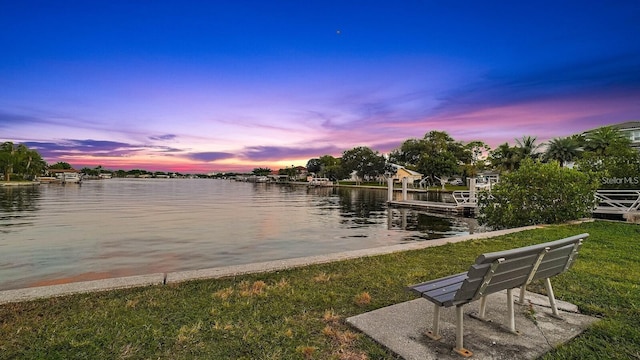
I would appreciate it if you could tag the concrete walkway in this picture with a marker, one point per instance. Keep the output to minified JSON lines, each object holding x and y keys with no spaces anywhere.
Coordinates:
{"x":27,"y":294}
{"x":401,"y":329}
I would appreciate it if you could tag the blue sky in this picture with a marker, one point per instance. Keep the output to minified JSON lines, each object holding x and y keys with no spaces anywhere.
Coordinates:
{"x":204,"y":86}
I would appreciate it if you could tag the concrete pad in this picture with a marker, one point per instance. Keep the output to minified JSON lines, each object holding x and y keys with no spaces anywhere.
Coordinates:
{"x":25,"y":294}
{"x":401,"y":328}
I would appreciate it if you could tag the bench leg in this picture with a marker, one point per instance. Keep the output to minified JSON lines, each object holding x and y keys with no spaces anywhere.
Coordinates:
{"x":483,"y":308}
{"x":523,"y":292}
{"x":552,"y":299}
{"x":434,"y":334}
{"x":460,"y":333}
{"x":482,"y":311}
{"x":512,"y":317}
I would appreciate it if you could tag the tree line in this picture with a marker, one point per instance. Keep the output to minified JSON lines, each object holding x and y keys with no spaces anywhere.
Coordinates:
{"x":18,"y":162}
{"x":437,"y":155}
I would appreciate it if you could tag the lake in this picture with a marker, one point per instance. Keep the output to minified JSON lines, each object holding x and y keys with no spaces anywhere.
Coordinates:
{"x":51,"y":234}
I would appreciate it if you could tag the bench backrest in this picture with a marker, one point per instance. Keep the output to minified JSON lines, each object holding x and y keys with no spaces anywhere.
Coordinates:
{"x":501,"y":270}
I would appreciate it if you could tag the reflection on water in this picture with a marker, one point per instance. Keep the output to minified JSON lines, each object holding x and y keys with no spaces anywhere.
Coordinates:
{"x":430,"y":226}
{"x":120,"y":227}
{"x":16,"y":203}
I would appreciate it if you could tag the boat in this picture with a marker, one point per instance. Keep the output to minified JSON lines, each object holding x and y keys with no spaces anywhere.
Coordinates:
{"x":46,"y":179}
{"x":68,"y":177}
{"x":320,"y":182}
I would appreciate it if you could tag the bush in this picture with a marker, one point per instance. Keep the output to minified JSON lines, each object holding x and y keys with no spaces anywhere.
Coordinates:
{"x":538,"y":193}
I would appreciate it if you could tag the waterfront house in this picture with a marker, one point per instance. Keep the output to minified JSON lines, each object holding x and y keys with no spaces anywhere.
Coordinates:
{"x":402,"y":172}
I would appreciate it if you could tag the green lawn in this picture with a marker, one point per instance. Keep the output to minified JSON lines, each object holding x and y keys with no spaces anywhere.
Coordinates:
{"x":299,"y":313}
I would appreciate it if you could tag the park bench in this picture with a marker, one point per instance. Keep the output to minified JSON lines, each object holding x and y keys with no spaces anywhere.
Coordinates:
{"x":498,"y":271}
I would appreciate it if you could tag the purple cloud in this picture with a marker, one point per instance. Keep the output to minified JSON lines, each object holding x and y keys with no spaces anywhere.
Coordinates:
{"x":92,"y":148}
{"x":262,"y":153}
{"x":210,"y":156}
{"x":163,"y":137}
{"x":8,"y":120}
{"x":85,"y":147}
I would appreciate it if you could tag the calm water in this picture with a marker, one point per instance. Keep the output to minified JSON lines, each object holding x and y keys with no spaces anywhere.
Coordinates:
{"x":119,"y":227}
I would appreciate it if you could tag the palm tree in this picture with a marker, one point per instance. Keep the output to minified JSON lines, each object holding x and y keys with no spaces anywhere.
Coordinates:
{"x":505,"y":157}
{"x":19,"y":160}
{"x":599,"y":140}
{"x":7,"y":159}
{"x":563,"y":150}
{"x":528,"y":147}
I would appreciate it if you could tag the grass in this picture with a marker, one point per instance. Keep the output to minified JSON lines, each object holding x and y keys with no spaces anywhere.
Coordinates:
{"x":300,"y":313}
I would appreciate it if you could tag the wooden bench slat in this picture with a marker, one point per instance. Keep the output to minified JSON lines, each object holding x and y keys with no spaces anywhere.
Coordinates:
{"x":437,"y":283}
{"x":549,"y":272}
{"x":442,"y":300}
{"x":440,"y":290}
{"x":533,"y":249}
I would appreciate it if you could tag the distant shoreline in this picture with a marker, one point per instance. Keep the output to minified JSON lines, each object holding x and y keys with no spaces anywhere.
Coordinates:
{"x":19,"y":183}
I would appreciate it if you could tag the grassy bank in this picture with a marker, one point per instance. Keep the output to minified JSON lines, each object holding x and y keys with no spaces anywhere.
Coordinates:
{"x":299,"y":313}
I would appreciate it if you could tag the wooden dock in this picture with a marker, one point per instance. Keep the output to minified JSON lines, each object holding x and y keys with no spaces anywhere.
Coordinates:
{"x":440,"y":207}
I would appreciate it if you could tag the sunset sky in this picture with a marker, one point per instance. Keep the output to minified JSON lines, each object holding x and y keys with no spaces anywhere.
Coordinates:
{"x":202,"y":86}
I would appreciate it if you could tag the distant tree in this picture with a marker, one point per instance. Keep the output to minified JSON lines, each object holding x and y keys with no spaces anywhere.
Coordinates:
{"x":29,"y":162}
{"x":437,"y":155}
{"x":331,"y":168}
{"x":7,"y":159}
{"x":562,"y":150}
{"x":408,"y":154}
{"x":442,"y":157}
{"x":314,"y":166}
{"x":475,"y":151}
{"x":86,"y":170}
{"x":527,"y":147}
{"x":364,"y":161}
{"x":261,"y":171}
{"x":20,"y":160}
{"x":289,"y":171}
{"x":61,"y":165}
{"x":138,"y":172}
{"x":505,"y":158}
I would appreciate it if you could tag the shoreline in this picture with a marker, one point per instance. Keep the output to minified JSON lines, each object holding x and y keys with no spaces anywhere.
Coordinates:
{"x":19,"y":183}
{"x":34,"y":293}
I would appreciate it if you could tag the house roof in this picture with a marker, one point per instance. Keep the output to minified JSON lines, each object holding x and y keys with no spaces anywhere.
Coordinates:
{"x":628,"y":125}
{"x":411,"y":172}
{"x":63,"y":171}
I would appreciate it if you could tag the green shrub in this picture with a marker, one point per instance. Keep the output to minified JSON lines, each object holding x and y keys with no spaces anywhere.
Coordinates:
{"x":538,"y":193}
